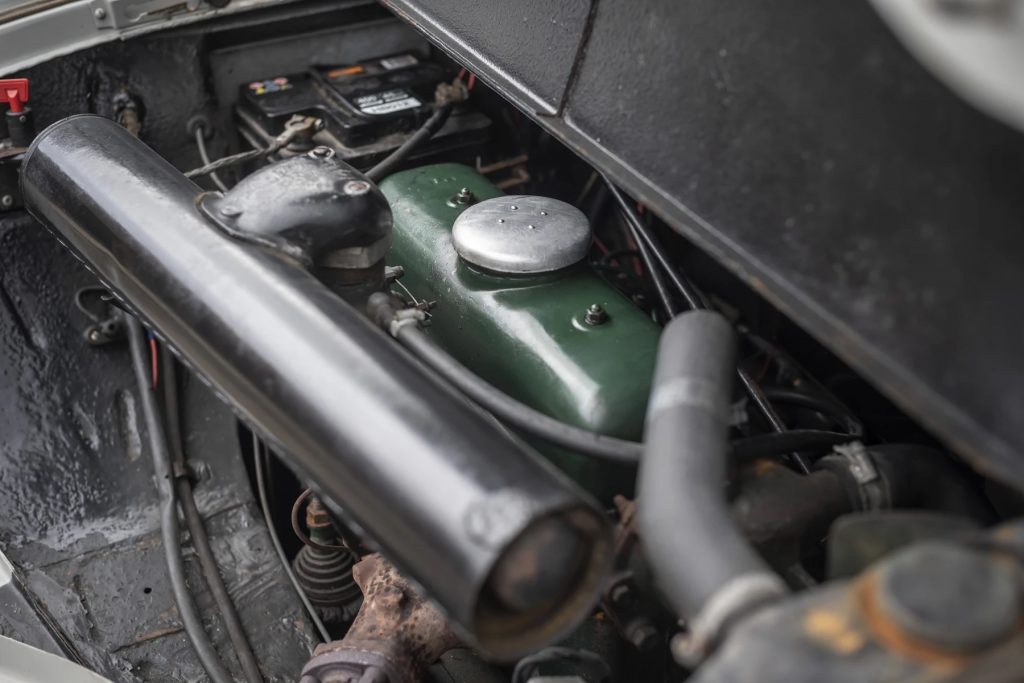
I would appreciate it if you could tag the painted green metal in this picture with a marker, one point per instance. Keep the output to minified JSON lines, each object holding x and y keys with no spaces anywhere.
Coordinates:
{"x":526,"y":334}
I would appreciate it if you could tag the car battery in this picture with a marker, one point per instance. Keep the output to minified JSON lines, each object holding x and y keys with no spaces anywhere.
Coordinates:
{"x":368,"y":108}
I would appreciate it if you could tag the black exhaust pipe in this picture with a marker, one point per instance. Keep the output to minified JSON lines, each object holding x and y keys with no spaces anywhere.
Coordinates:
{"x":460,"y":506}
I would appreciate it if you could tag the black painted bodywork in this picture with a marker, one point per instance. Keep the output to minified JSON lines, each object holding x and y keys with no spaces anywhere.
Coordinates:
{"x":78,"y":514}
{"x":802,"y":146}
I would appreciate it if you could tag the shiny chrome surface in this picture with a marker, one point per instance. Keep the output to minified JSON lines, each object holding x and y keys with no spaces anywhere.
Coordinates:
{"x":522,"y":234}
{"x":430,"y":478}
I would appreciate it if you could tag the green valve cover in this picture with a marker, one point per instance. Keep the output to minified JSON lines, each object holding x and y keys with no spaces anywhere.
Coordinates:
{"x":526,"y":334}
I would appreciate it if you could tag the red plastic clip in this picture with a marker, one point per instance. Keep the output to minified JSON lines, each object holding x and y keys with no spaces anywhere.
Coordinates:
{"x":15,"y":91}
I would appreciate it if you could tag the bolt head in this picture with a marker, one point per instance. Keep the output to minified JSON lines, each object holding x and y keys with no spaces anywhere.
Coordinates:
{"x":7,"y":201}
{"x":321,"y":152}
{"x":596,"y":315}
{"x":230,"y":211}
{"x":355,"y":188}
{"x":99,"y":13}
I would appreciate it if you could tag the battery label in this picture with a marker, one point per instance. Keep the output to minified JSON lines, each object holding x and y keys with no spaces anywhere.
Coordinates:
{"x":386,"y":102}
{"x":270,"y":85}
{"x":398,"y":62}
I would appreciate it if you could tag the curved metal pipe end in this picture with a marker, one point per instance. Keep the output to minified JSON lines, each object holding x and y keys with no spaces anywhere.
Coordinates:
{"x":544,"y":583}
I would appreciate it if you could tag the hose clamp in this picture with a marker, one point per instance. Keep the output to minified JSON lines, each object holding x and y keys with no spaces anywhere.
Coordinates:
{"x":737,"y":598}
{"x":874,"y":494}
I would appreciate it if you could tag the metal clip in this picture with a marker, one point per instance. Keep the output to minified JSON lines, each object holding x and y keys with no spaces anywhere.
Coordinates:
{"x":119,"y":14}
{"x":874,"y":495}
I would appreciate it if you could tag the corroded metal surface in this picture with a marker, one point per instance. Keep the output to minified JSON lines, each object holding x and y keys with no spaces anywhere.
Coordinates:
{"x":396,"y":635}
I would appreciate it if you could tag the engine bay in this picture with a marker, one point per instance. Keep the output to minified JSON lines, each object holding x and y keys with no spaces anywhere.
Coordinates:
{"x":324,"y":362}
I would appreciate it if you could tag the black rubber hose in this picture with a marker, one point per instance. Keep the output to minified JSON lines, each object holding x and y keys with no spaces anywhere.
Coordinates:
{"x":705,"y":566}
{"x":774,"y":444}
{"x":921,"y":477}
{"x":197,"y":531}
{"x":818,"y":403}
{"x":511,"y":411}
{"x":426,"y":131}
{"x":169,"y":510}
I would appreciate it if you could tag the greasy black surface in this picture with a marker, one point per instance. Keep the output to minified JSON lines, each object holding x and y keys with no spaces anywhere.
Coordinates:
{"x":164,"y":73}
{"x":799,"y":143}
{"x":78,"y":508}
{"x":307,"y":206}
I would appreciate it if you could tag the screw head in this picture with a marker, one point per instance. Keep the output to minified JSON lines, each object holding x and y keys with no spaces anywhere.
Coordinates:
{"x":94,"y":336}
{"x":7,"y":201}
{"x":99,"y":13}
{"x":230,"y":211}
{"x":596,"y":315}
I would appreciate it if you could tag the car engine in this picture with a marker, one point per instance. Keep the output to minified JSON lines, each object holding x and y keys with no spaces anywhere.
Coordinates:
{"x":410,"y":342}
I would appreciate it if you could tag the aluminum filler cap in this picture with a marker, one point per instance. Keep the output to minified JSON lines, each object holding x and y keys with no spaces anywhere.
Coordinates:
{"x":522,"y":234}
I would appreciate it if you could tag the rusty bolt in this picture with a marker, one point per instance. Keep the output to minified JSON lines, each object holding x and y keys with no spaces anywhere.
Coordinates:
{"x":316,"y":514}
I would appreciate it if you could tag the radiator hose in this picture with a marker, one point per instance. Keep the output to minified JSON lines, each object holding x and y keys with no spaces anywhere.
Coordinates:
{"x":706,"y":568}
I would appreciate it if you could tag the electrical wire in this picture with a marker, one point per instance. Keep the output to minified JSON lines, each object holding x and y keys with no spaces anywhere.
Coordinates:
{"x":205,"y":158}
{"x":508,"y":409}
{"x":239,"y":158}
{"x":190,"y":619}
{"x":818,"y":403}
{"x":197,"y":531}
{"x":259,"y":462}
{"x":659,"y":283}
{"x":302,"y":535}
{"x":295,"y":127}
{"x":643,"y":236}
{"x":768,"y":411}
{"x":425,"y":132}
{"x":649,"y":246}
{"x":153,"y":355}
